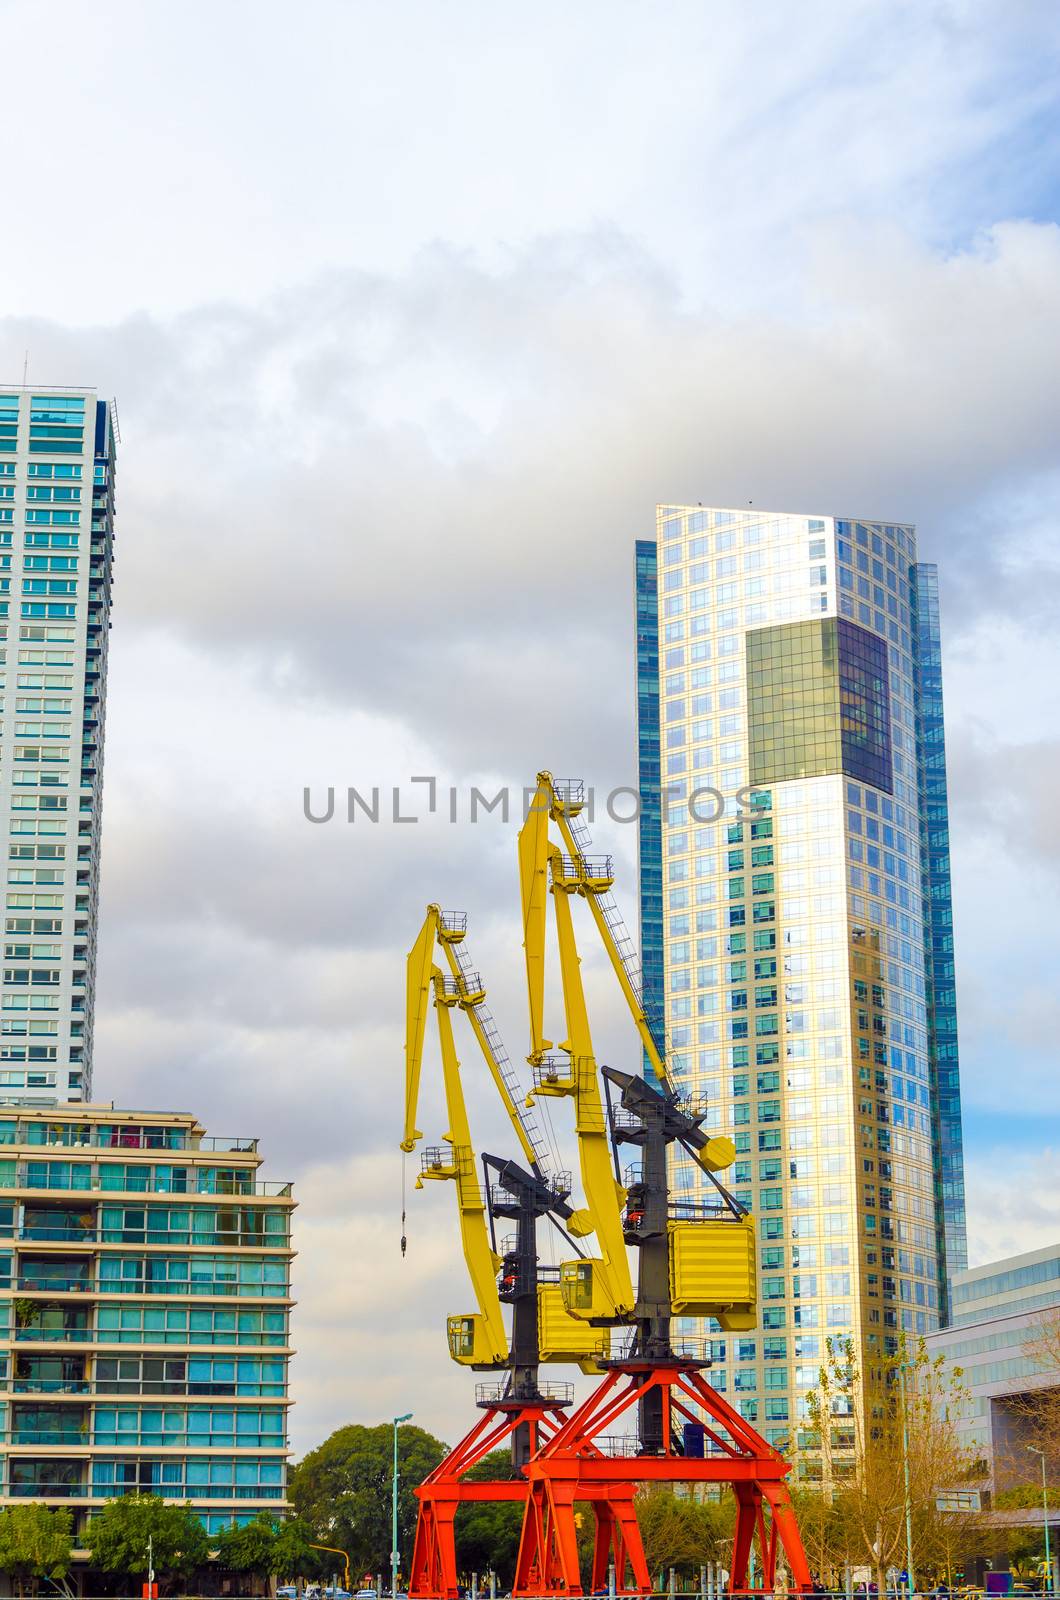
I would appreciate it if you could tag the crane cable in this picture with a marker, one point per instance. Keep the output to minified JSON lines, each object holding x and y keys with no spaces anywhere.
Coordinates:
{"x":404,"y":1238}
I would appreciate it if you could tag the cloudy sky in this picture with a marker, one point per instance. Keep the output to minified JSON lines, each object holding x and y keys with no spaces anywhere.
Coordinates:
{"x":412,"y":313}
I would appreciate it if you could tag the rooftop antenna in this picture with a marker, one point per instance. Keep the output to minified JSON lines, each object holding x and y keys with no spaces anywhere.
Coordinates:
{"x":25,"y":369}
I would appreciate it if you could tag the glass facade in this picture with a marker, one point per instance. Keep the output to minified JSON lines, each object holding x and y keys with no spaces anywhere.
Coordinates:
{"x":938,"y":923}
{"x":794,"y":947}
{"x":650,"y":820}
{"x":57,"y":469}
{"x":126,"y":1328}
{"x":994,"y":1341}
{"x":818,"y":702}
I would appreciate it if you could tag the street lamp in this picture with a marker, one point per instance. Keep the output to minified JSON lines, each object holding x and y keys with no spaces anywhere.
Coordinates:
{"x":1045,"y":1518}
{"x":395,"y":1555}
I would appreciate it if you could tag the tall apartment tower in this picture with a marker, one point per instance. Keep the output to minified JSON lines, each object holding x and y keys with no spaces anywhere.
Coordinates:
{"x":57,"y":460}
{"x":795,"y":904}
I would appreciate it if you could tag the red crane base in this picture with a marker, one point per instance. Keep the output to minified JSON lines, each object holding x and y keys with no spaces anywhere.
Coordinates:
{"x":567,"y":1465}
{"x":572,"y":1466}
{"x":434,"y":1573}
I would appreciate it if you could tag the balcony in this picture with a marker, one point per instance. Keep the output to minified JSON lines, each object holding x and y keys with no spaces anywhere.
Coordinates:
{"x":216,"y":1288}
{"x":189,"y":1441}
{"x":44,"y":1490}
{"x":178,"y":1238}
{"x":175,"y":1388}
{"x":79,"y":1178}
{"x":70,"y":1437}
{"x":121,"y":1136}
{"x":49,"y":1386}
{"x":46,"y":1335}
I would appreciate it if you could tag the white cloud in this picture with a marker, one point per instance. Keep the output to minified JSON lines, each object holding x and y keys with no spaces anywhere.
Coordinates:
{"x":412,"y":317}
{"x":1013,"y":1202}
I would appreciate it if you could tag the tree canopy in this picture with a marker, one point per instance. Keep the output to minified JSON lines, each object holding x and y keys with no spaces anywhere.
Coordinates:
{"x":118,"y":1537}
{"x":35,"y":1543}
{"x":682,"y":1532}
{"x":267,"y":1546}
{"x":857,"y":1515}
{"x":342,"y":1490}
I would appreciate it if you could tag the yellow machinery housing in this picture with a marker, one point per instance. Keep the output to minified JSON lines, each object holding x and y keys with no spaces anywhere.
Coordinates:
{"x":584,"y":1288}
{"x":713,"y":1271}
{"x":566,"y":1338}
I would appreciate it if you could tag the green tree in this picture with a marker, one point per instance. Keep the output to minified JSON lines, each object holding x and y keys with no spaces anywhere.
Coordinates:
{"x":250,"y":1548}
{"x":267,"y":1546}
{"x":36,"y":1543}
{"x":342,"y":1490}
{"x":118,"y":1538}
{"x":487,"y":1531}
{"x":682,"y":1532}
{"x":871,"y":1500}
{"x":827,"y":1535}
{"x":292,"y":1552}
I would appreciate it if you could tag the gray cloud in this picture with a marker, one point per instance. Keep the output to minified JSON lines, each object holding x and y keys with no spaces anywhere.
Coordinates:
{"x":403,"y":368}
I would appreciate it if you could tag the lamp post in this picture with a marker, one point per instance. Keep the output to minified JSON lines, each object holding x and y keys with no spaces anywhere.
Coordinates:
{"x":1045,"y":1518}
{"x":395,"y":1555}
{"x":911,"y":1584}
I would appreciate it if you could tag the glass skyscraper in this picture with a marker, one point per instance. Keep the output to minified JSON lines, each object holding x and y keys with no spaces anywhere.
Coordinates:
{"x":795,"y":901}
{"x":57,"y":461}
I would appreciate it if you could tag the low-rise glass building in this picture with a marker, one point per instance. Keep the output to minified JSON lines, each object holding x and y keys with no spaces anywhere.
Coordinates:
{"x":996,"y":1342}
{"x":144,"y":1306}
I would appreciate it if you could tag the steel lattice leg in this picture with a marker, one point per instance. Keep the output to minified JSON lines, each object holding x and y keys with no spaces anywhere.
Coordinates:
{"x":747,"y":1500}
{"x":434,"y":1552}
{"x":786,"y":1529}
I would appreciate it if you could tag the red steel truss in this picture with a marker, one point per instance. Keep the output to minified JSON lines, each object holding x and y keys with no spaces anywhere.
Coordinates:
{"x":571,"y":1466}
{"x":434,"y":1573}
{"x":569,"y":1463}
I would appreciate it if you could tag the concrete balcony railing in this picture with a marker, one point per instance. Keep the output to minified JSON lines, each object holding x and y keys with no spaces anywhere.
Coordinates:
{"x":167,"y":1387}
{"x":39,"y":1176}
{"x":214,"y":1288}
{"x":179,"y":1238}
{"x":118,"y":1136}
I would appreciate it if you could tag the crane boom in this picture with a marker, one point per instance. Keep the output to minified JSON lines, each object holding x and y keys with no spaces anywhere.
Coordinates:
{"x":479,"y":1339}
{"x":533,"y":887}
{"x":563,"y":803}
{"x":417,"y":1000}
{"x":574,"y":1073}
{"x":482,"y":1261}
{"x":484,"y":1336}
{"x":472,"y":998}
{"x":633,"y":996}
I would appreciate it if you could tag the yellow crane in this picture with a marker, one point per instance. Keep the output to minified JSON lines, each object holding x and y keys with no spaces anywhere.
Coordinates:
{"x":710,"y":1273}
{"x":543,"y":1330}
